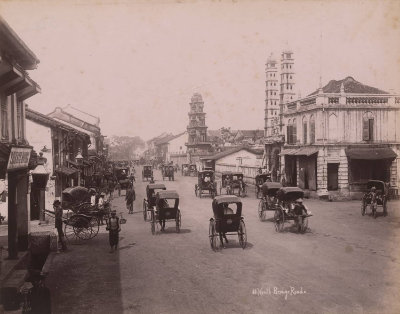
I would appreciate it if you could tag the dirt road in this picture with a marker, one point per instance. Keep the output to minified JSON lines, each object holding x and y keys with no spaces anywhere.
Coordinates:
{"x":344,"y":263}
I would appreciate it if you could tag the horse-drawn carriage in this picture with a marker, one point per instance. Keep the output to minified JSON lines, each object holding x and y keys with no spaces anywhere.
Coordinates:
{"x":147,"y":173}
{"x":167,"y":171}
{"x":260,"y":179}
{"x":227,"y":220}
{"x":375,"y":196}
{"x":206,"y":182}
{"x":269,"y":200}
{"x":150,"y":201}
{"x":290,"y":208}
{"x":166,"y":209}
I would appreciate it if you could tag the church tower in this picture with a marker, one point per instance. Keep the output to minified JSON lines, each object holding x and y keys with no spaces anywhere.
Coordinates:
{"x":287,"y":93}
{"x":271,"y":97}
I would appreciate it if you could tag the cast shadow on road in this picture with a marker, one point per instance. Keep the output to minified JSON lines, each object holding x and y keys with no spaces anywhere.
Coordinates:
{"x":81,"y":279}
{"x":234,"y":244}
{"x":173,"y":230}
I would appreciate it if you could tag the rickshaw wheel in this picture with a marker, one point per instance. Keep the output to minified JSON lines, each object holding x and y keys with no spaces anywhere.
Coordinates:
{"x":94,"y":227}
{"x":279,"y":219}
{"x":82,"y":228}
{"x":215,"y":241}
{"x":178,"y":221}
{"x":153,"y":223}
{"x":144,"y":210}
{"x":363,"y":206}
{"x":69,"y":229}
{"x":242,"y":234}
{"x":211,"y":233}
{"x":261,"y":210}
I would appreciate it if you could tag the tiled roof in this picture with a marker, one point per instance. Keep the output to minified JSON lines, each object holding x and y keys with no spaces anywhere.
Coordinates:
{"x":350,"y":86}
{"x":167,"y":138}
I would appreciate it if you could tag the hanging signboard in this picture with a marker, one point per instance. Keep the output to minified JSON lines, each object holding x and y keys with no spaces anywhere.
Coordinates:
{"x":19,"y":158}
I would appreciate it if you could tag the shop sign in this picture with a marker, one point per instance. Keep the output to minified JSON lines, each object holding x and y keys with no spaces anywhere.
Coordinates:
{"x":19,"y":158}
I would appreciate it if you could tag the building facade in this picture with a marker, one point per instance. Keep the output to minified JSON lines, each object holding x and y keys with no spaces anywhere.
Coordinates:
{"x":15,"y":153}
{"x":341,"y":136}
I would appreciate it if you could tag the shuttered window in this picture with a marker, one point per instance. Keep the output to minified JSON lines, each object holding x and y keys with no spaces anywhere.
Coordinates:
{"x":305,"y":132}
{"x":312,"y":130}
{"x":368,"y":129}
{"x":294,"y":133}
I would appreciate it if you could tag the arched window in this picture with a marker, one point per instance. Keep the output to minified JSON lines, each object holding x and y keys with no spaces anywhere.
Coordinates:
{"x":368,"y":126}
{"x":291,"y":132}
{"x":305,"y":130}
{"x":332,"y":131}
{"x":312,"y":129}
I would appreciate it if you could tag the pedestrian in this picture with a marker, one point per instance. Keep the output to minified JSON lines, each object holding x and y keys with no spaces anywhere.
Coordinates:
{"x":58,"y":213}
{"x":118,"y":186}
{"x":114,"y":228}
{"x":130,"y":198}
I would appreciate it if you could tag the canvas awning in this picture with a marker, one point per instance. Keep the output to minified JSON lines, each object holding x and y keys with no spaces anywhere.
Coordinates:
{"x":302,"y":151}
{"x":367,"y":153}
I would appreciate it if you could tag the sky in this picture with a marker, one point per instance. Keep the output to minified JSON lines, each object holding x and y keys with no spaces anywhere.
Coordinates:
{"x":136,"y":64}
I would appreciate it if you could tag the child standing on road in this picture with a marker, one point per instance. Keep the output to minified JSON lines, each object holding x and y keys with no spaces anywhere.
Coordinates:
{"x":114,"y":228}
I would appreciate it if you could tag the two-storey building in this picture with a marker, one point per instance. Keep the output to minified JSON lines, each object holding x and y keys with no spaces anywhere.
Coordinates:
{"x":341,"y":136}
{"x":15,"y":87}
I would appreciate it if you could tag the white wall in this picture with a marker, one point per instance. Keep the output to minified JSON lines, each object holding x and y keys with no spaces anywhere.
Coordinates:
{"x":177,"y":145}
{"x":248,"y":159}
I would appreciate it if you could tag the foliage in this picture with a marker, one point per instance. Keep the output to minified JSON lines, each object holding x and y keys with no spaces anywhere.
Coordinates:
{"x":124,"y":147}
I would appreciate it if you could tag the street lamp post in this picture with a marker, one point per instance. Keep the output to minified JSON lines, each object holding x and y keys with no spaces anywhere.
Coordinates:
{"x":40,"y":176}
{"x":79,"y":160}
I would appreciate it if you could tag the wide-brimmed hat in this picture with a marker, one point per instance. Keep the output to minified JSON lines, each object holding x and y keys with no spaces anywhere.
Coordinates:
{"x":299,"y":200}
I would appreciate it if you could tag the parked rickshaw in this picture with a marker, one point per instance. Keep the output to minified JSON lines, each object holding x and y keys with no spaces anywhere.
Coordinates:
{"x":192,"y":170}
{"x":185,"y":169}
{"x":269,"y":200}
{"x":260,"y":179}
{"x":227,"y":220}
{"x":289,"y":209}
{"x":166,"y":209}
{"x":147,"y":173}
{"x":375,"y":196}
{"x":168,"y":172}
{"x":205,"y":182}
{"x":237,"y":184}
{"x":150,"y":201}
{"x":82,"y":219}
{"x":226,"y":178}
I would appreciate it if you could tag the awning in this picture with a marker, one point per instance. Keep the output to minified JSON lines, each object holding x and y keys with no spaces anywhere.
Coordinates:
{"x":66,"y":171}
{"x":367,"y":153}
{"x":302,"y":151}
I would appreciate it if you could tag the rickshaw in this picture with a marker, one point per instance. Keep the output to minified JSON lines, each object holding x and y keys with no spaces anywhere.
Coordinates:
{"x":206,"y":182}
{"x":226,"y":221}
{"x":83,"y":219}
{"x":287,"y":209}
{"x":185,"y":170}
{"x":269,"y":200}
{"x":375,"y":197}
{"x":226,"y":178}
{"x":150,"y":201}
{"x":192,"y":170}
{"x":237,"y":184}
{"x":260,"y":179}
{"x":166,"y":208}
{"x":168,"y":172}
{"x":147,"y":173}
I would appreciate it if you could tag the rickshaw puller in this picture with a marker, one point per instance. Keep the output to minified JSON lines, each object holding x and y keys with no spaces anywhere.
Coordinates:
{"x":114,"y":228}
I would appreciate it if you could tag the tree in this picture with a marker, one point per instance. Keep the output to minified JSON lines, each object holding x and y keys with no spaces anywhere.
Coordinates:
{"x":124,"y":147}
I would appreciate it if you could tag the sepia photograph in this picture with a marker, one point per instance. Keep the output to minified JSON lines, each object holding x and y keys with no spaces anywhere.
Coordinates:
{"x":199,"y":156}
